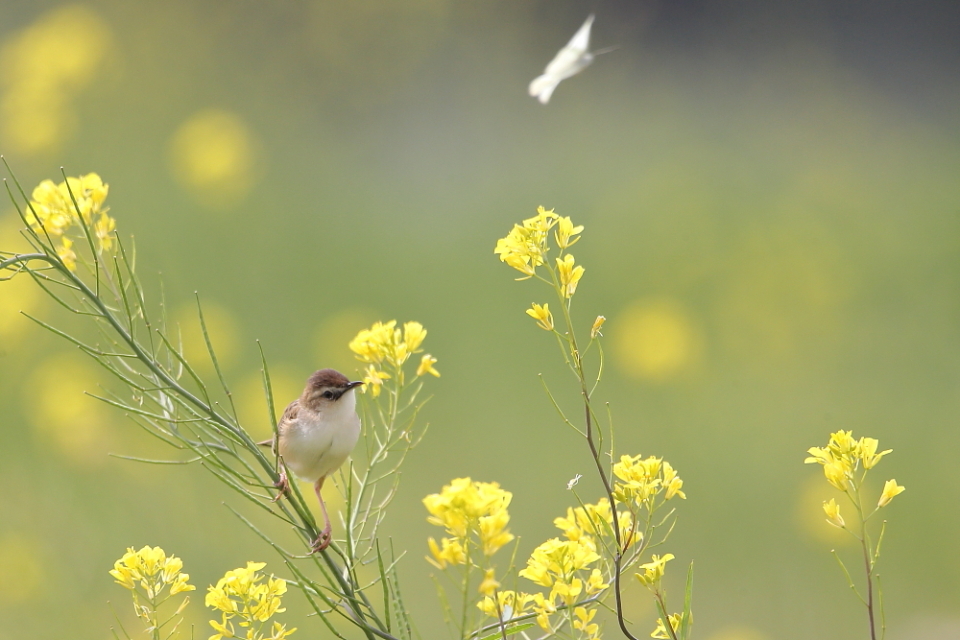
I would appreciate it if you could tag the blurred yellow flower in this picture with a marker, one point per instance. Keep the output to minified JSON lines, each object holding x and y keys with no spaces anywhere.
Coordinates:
{"x":832,"y":509}
{"x":661,"y":631}
{"x":565,"y":232}
{"x":413,"y":335}
{"x":489,"y":584}
{"x":541,"y":313}
{"x":42,"y":68}
{"x":56,"y":208}
{"x":452,"y":552}
{"x":67,"y":256}
{"x":373,"y":379}
{"x":212,"y":155}
{"x":597,"y":324}
{"x":426,"y":366}
{"x":584,"y":621}
{"x":890,"y":490}
{"x":544,"y":608}
{"x":867,"y":452}
{"x":656,"y":339}
{"x":569,"y":275}
{"x":512,"y":604}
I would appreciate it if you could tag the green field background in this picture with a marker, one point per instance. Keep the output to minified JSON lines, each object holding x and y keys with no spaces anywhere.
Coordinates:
{"x":771,"y":203}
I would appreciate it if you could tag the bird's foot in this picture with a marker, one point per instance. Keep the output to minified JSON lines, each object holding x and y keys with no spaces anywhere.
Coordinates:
{"x":282,"y":485}
{"x":322,"y":541}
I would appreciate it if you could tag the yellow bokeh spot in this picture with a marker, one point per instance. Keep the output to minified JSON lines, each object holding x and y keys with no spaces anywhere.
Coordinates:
{"x":77,"y":425}
{"x":334,"y":334}
{"x":809,"y":511}
{"x":654,"y":339}
{"x":21,"y":566}
{"x":212,"y":156}
{"x":221,"y":328}
{"x":42,"y":67}
{"x":738,"y":633}
{"x":251,"y":399}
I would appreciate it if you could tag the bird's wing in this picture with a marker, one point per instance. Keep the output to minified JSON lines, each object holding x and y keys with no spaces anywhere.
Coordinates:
{"x":289,"y":416}
{"x":290,"y":413}
{"x":542,"y":87}
{"x":570,"y":54}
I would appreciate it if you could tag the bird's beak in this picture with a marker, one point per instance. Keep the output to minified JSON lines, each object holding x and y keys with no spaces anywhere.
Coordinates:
{"x":352,"y":385}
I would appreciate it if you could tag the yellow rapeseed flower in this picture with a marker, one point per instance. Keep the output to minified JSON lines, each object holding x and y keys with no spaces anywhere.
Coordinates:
{"x":569,"y":275}
{"x":525,"y":247}
{"x":890,"y":490}
{"x":512,"y":604}
{"x":661,"y":631}
{"x":451,"y":552}
{"x":544,"y":608}
{"x":247,"y":594}
{"x":67,"y":255}
{"x":653,"y":571}
{"x":152,"y":570}
{"x":644,"y":479}
{"x":584,"y":621}
{"x":384,"y":342}
{"x":413,"y":335}
{"x":565,"y":232}
{"x":832,"y":509}
{"x":597,"y":324}
{"x":489,"y":583}
{"x":541,"y":313}
{"x":867,"y":452}
{"x":56,"y":208}
{"x":373,"y":379}
{"x":559,"y":561}
{"x":426,"y":366}
{"x":465,"y":508}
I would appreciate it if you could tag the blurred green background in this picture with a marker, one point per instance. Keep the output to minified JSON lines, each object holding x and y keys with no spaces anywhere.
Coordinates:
{"x":771,"y":196}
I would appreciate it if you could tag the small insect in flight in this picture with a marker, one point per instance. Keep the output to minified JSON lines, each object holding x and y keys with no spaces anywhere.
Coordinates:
{"x":569,"y":61}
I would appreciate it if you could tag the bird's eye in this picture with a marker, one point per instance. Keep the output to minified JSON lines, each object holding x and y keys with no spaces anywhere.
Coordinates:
{"x":327,"y":394}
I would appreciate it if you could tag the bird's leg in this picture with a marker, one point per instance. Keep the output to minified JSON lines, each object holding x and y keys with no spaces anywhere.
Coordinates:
{"x":282,"y":484}
{"x":323,"y":540}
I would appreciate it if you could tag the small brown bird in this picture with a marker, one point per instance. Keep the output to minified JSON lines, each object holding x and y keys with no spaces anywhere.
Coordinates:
{"x":317,"y":432}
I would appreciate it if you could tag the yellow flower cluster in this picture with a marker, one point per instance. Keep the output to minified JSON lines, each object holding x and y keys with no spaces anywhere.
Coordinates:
{"x":653,"y":571}
{"x":247,"y":594}
{"x":643,"y":480}
{"x":465,"y":508}
{"x":841,"y":458}
{"x":152,"y":570}
{"x":52,"y":213}
{"x":526,"y":247}
{"x":557,"y":564}
{"x":385,"y":343}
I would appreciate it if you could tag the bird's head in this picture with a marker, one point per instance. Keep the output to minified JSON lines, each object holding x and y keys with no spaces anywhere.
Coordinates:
{"x":325,"y":387}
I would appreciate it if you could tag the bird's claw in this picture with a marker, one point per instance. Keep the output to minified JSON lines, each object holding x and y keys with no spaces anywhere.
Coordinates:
{"x":322,"y":541}
{"x":282,"y":485}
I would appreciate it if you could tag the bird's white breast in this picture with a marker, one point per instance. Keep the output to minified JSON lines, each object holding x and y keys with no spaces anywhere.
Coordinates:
{"x":318,"y":442}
